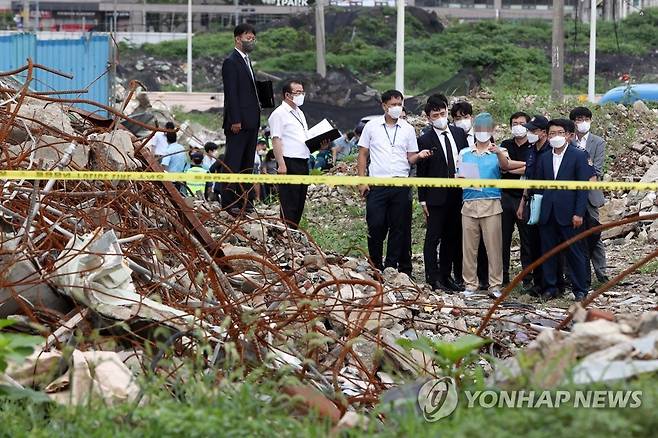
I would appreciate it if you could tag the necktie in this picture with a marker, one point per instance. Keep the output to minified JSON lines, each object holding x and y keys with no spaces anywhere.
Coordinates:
{"x":253,"y":78}
{"x":449,"y":157}
{"x":251,"y":69}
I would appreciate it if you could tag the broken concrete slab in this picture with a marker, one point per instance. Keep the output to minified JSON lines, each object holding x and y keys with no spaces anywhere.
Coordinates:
{"x":19,"y":280}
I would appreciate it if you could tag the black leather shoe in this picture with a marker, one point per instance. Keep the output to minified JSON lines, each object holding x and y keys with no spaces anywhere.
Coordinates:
{"x":545,"y":296}
{"x":452,"y":285}
{"x":437,"y":285}
{"x":531,"y":290}
{"x":603,"y":279}
{"x":580,"y":296}
{"x":483,"y":286}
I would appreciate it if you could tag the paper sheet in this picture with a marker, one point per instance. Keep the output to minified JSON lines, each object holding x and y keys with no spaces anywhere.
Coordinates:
{"x":469,"y":170}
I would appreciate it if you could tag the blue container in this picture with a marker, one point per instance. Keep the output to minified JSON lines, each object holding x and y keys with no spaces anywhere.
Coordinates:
{"x":86,"y":58}
{"x":645,"y":92}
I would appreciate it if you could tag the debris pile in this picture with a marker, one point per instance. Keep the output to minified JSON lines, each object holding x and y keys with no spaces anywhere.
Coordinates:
{"x":124,"y":273}
{"x":599,"y":347}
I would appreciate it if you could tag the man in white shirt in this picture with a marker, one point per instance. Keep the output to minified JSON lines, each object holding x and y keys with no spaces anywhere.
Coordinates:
{"x":289,"y":132}
{"x":159,"y":143}
{"x":390,"y":143}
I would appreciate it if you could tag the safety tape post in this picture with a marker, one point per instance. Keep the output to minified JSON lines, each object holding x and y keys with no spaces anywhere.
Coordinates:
{"x":332,"y":180}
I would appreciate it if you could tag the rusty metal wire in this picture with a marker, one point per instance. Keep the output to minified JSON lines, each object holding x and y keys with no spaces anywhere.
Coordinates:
{"x":273,"y":307}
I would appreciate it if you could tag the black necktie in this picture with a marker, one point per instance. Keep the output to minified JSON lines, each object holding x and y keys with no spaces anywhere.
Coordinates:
{"x":449,"y":157}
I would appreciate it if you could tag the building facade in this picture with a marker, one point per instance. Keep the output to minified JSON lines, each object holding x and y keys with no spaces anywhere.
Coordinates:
{"x":148,"y":15}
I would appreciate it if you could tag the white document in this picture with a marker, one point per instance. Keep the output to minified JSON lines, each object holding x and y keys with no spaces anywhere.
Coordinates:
{"x":320,"y":128}
{"x":469,"y":170}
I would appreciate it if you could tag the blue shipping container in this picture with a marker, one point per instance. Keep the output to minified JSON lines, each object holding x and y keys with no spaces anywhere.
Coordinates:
{"x":86,"y":58}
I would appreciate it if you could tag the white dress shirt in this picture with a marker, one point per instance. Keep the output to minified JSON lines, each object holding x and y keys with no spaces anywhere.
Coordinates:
{"x":442,"y":140}
{"x":388,"y":147}
{"x":159,"y":143}
{"x":557,"y":161}
{"x":245,"y":57}
{"x":470,"y":138}
{"x":289,"y":124}
{"x":582,"y":143}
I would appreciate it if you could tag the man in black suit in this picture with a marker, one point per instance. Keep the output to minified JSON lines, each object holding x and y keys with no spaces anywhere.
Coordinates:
{"x":563,"y":211}
{"x":442,"y":207}
{"x":241,"y":118}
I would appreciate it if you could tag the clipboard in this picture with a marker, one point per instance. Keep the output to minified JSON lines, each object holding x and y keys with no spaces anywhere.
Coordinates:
{"x":265,"y":93}
{"x":319,"y":133}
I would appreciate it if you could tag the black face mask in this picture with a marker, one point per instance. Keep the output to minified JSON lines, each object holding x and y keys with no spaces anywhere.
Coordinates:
{"x":248,"y":46}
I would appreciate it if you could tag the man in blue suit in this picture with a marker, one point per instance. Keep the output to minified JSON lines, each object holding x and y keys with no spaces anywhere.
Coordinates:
{"x":563,"y":211}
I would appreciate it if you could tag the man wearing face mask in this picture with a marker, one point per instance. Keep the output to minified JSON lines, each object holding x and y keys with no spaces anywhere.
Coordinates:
{"x":462,"y":117}
{"x":241,"y":118}
{"x":289,"y":134}
{"x":390,"y":143}
{"x":518,"y":148}
{"x":563,"y":211}
{"x":481,"y":210}
{"x":595,"y":148}
{"x":441,"y":205}
{"x":538,"y":139}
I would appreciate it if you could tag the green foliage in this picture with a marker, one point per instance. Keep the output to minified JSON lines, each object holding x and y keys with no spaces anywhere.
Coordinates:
{"x":512,"y":55}
{"x":205,"y":44}
{"x":15,"y":347}
{"x":455,"y":358}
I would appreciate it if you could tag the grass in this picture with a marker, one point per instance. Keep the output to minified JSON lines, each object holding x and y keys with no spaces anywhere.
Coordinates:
{"x":338,"y":228}
{"x":203,"y":407}
{"x":649,"y":268}
{"x":211,"y":121}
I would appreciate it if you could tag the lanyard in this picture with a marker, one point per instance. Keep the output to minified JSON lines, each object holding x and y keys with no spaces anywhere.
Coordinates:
{"x":394,"y":135}
{"x":298,"y":119}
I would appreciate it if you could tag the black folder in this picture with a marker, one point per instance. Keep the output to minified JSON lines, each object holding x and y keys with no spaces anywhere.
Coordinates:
{"x":265,"y":93}
{"x":321,"y":132}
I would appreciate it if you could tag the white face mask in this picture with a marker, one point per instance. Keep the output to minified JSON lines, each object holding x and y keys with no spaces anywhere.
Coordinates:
{"x":440,"y":123}
{"x":465,"y":124}
{"x":394,"y":111}
{"x":519,"y":131}
{"x":532,"y":138}
{"x":482,"y":136}
{"x":583,"y":127}
{"x":557,"y":142}
{"x":298,"y":100}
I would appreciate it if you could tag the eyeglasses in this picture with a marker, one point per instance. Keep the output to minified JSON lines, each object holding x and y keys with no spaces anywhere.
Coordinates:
{"x":553,"y":134}
{"x":298,"y":93}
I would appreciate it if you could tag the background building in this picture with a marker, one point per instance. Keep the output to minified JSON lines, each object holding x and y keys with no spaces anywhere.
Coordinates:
{"x":151,"y":16}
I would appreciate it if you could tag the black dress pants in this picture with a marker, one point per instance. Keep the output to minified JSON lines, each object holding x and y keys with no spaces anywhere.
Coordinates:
{"x":510,"y":205}
{"x":445,"y":232}
{"x":386,"y":215}
{"x":293,"y":196}
{"x":239,"y":158}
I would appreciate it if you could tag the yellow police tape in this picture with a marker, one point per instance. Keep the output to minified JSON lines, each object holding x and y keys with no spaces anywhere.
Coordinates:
{"x":331,"y":180}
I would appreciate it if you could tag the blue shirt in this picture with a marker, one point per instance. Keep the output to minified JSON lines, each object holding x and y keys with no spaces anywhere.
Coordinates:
{"x":488,"y":168}
{"x":175,"y":158}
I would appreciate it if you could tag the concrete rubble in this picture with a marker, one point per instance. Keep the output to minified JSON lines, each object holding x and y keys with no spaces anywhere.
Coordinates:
{"x":133,"y":262}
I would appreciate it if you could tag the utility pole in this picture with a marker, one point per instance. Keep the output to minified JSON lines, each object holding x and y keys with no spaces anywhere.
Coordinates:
{"x":557,"y":68}
{"x":189,"y":46}
{"x":399,"y":49}
{"x":26,"y":15}
{"x":591,"y":88}
{"x":320,"y":50}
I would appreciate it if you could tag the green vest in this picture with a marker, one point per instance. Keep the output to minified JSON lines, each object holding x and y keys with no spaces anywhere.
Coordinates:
{"x":196,"y":186}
